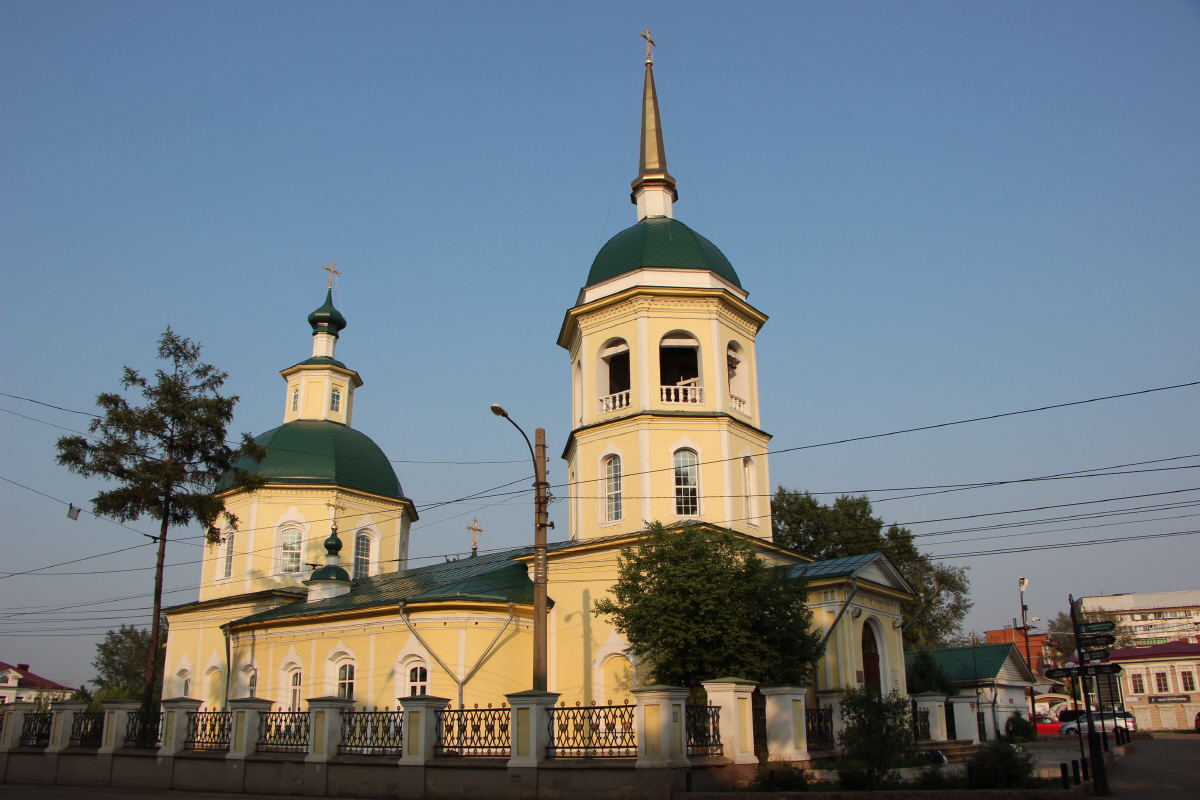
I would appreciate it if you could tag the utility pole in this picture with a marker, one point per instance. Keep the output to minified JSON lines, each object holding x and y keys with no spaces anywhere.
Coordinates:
{"x":541,"y":522}
{"x":1022,"y":584}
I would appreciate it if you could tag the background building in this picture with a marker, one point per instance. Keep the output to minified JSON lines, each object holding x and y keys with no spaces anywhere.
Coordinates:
{"x":1154,"y":617}
{"x":18,"y":683}
{"x":1159,"y":683}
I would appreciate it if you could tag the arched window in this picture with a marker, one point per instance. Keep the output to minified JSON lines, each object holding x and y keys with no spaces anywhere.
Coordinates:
{"x":748,"y":490}
{"x":296,"y":399}
{"x":418,"y":681}
{"x":613,"y":380}
{"x":362,"y":555}
{"x":346,"y":682}
{"x":679,"y":368}
{"x":687,"y":483}
{"x":290,"y":552}
{"x":297,"y":680}
{"x":612,"y":489}
{"x":227,"y":569}
{"x":187,"y":687}
{"x":335,"y":399}
{"x":739,"y":381}
{"x":183,"y":680}
{"x":252,"y":683}
{"x":870,"y":658}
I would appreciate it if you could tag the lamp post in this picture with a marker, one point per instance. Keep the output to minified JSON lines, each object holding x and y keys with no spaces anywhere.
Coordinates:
{"x":1022,"y":584}
{"x":540,"y":524}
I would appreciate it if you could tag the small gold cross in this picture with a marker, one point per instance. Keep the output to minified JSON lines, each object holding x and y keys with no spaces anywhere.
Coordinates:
{"x":330,"y":269}
{"x":475,"y":531}
{"x":649,"y":43}
{"x":335,"y":506}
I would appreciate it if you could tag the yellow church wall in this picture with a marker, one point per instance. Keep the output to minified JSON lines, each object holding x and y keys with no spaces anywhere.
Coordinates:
{"x":264,"y":514}
{"x":877,"y":606}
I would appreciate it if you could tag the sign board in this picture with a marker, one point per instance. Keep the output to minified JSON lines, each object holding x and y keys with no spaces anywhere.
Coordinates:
{"x":1091,"y":642}
{"x":1095,"y":627}
{"x":1170,"y":698}
{"x":1094,"y":655}
{"x":1078,"y":672}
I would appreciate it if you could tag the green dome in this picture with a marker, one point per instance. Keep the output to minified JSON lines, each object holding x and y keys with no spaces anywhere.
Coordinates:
{"x":314,"y":451}
{"x":327,"y":319}
{"x":659,"y":242}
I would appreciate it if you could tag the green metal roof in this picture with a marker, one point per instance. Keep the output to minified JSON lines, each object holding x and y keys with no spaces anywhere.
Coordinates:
{"x":314,"y":451}
{"x":833,"y":568}
{"x":982,"y":662}
{"x":327,"y":319}
{"x":659,"y":242}
{"x":322,"y":361}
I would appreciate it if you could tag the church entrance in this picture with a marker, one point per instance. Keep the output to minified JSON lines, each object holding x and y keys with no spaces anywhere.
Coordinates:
{"x":870,"y":658}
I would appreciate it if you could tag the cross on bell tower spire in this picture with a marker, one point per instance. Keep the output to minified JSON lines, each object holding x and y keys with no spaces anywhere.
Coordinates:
{"x":653,"y":189}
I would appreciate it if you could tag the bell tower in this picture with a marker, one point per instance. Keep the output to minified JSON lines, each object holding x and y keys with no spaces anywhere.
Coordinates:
{"x":665,"y":408}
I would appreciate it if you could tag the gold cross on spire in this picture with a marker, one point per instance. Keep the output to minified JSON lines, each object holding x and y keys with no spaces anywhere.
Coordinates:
{"x":649,"y":43}
{"x":335,"y":507}
{"x":330,"y":269}
{"x":475,"y":531}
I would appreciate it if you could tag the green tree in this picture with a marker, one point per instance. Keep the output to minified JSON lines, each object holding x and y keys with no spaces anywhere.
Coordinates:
{"x":120,"y":664}
{"x":696,"y":603}
{"x":849,"y":527}
{"x":927,"y":675}
{"x":166,"y":457}
{"x":876,"y":729}
{"x":1061,"y":633}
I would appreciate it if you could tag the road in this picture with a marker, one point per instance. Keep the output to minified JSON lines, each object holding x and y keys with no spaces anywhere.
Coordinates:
{"x":1166,"y":767}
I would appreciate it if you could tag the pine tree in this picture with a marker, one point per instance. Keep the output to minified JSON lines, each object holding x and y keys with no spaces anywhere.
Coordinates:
{"x":166,"y":458}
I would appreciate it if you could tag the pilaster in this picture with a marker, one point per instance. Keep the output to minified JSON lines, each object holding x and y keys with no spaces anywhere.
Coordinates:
{"x":420,"y":727}
{"x":529,"y":728}
{"x":787,"y":730}
{"x":966,"y":725}
{"x":325,"y":726}
{"x":243,"y":733}
{"x":64,"y":712}
{"x":175,"y":723}
{"x":15,"y":723}
{"x":737,"y":722}
{"x":116,"y":723}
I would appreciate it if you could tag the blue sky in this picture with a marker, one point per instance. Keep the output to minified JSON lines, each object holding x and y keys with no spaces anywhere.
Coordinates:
{"x":947,"y":209}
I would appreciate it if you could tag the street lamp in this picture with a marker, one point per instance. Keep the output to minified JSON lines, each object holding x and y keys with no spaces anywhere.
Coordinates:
{"x":540,"y":524}
{"x":1022,"y":585}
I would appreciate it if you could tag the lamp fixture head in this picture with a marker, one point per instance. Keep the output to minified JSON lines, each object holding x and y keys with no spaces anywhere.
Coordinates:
{"x":498,"y":410}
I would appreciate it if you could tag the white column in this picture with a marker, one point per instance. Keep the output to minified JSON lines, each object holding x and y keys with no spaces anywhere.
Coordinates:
{"x":325,"y":726}
{"x":116,"y":723}
{"x":737,"y":720}
{"x":420,"y":727}
{"x":14,"y":723}
{"x":661,"y":738}
{"x":786,"y":723}
{"x":175,"y":723}
{"x":965,"y":724}
{"x":934,"y":703}
{"x":529,"y":729}
{"x":64,"y":719}
{"x":243,"y":733}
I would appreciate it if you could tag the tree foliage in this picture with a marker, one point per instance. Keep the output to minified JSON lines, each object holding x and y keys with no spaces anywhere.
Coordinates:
{"x":876,"y":729}
{"x":165,"y":457}
{"x":120,"y":663}
{"x":696,"y":603}
{"x":848,"y":527}
{"x":927,"y":675}
{"x":1061,"y":633}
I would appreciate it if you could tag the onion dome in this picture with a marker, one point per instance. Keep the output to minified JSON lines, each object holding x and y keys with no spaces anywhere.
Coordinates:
{"x":327,"y":319}
{"x":331,"y":571}
{"x":659,"y":242}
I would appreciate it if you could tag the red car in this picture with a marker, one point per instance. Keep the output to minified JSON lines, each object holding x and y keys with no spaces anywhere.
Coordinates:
{"x":1044,"y":724}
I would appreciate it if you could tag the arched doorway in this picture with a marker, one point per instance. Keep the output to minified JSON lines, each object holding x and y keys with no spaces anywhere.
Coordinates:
{"x":870,"y":659}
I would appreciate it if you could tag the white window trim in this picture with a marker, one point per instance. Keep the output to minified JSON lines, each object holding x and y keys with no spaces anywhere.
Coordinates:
{"x":372,"y":555}
{"x":602,"y":505}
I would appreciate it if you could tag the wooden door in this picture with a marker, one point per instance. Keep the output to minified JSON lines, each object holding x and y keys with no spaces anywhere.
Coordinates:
{"x":870,"y":659}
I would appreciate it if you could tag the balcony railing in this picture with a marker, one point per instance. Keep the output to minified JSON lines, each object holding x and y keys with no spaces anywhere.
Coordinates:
{"x":819,"y":728}
{"x":283,"y":732}
{"x":208,"y":730}
{"x":144,"y":730}
{"x":703,"y":728}
{"x":682,"y":394}
{"x":615,"y":402}
{"x":87,"y":729}
{"x":372,"y":733}
{"x":473,"y":732}
{"x":36,"y":730}
{"x":738,"y":405}
{"x":592,"y":732}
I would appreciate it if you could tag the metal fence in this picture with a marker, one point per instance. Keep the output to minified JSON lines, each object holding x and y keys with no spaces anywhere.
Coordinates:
{"x":372,"y":732}
{"x":144,"y":729}
{"x":592,"y":732}
{"x":758,"y":722}
{"x":921,"y":724}
{"x":702,"y":724}
{"x":283,"y":732}
{"x":473,"y":732}
{"x":87,"y":729}
{"x":818,"y":724}
{"x":208,"y":730}
{"x":36,"y":730}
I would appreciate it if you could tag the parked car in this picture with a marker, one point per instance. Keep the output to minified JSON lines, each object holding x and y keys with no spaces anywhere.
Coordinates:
{"x":1044,"y":724}
{"x":1198,"y":722}
{"x":1070,"y":714}
{"x":1101,"y":721}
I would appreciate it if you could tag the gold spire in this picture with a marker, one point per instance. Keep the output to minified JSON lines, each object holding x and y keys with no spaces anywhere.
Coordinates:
{"x":652,"y":162}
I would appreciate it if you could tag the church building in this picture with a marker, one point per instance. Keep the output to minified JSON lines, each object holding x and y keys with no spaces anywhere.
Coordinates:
{"x":312,"y":595}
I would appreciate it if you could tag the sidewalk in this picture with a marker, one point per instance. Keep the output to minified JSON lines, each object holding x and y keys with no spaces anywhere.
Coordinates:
{"x":1166,"y":767}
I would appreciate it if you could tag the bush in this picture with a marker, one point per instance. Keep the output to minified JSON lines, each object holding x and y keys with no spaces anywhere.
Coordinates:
{"x":1001,"y":765}
{"x":934,"y":777}
{"x":1020,"y":729}
{"x":788,"y":777}
{"x":877,"y":730}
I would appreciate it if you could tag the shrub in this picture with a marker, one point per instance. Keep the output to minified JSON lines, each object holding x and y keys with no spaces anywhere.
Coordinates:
{"x":788,"y":777}
{"x":878,"y":728}
{"x":1020,"y":729}
{"x":1001,"y":765}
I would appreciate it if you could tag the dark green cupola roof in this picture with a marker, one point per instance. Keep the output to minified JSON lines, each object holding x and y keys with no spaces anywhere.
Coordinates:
{"x":659,"y":242}
{"x":327,"y":319}
{"x":331,"y":571}
{"x":323,"y":453}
